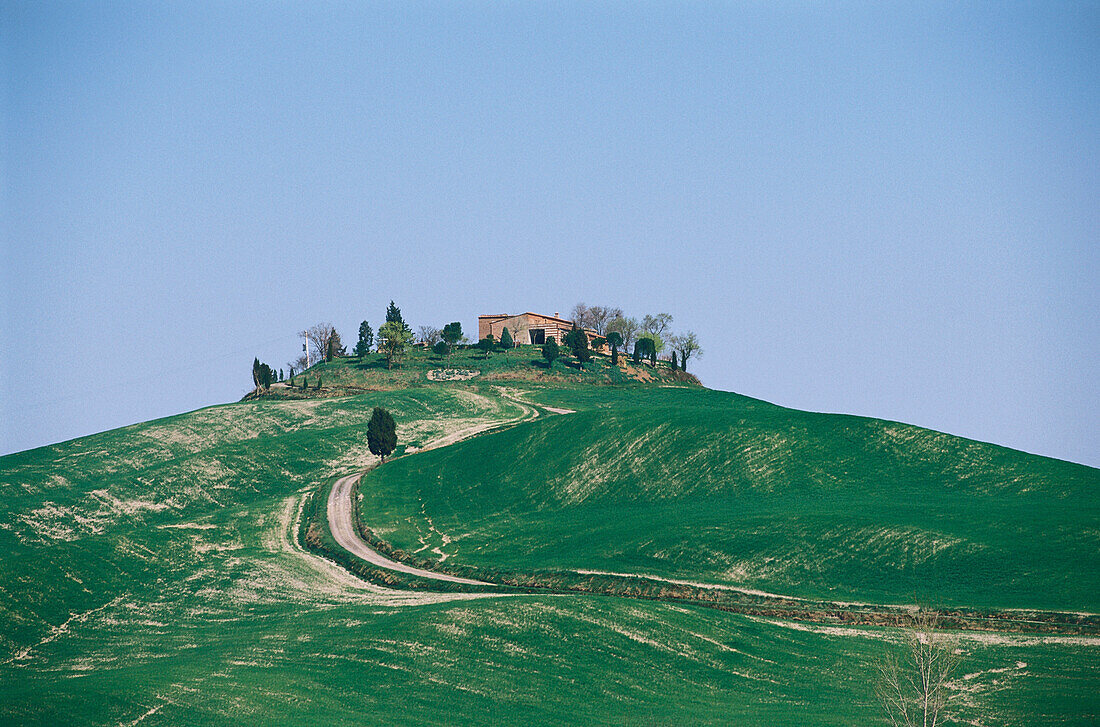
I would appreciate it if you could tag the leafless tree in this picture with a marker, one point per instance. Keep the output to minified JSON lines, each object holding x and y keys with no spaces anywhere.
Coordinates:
{"x":658,"y":324}
{"x":627,"y":328}
{"x":912,"y":686}
{"x":580,"y":315}
{"x":318,"y":338}
{"x":298,"y":365}
{"x":599,"y":316}
{"x":429,"y":336}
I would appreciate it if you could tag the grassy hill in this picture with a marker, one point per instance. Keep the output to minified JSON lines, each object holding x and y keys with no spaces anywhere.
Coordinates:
{"x":707,"y":486}
{"x":154,"y":574}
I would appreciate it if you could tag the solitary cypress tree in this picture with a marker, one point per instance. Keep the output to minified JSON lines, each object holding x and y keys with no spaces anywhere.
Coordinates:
{"x":673,"y":360}
{"x":506,"y":339}
{"x":381,"y":433}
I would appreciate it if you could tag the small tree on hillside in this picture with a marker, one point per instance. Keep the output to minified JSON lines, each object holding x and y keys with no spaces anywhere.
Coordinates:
{"x":912,"y":686}
{"x":551,"y":351}
{"x":318,"y":337}
{"x":487,"y":345}
{"x":654,"y":347}
{"x":625,"y":327}
{"x":265,"y":376}
{"x":598,"y":316}
{"x":645,"y":347}
{"x":393,"y":314}
{"x":673,"y":360}
{"x":615,"y":339}
{"x":506,"y":341}
{"x":366,"y":340}
{"x":441,"y":349}
{"x":429,"y":335}
{"x":381,"y":433}
{"x":395,"y":338}
{"x":255,"y":373}
{"x":577,"y":341}
{"x":658,"y":324}
{"x":452,"y":334}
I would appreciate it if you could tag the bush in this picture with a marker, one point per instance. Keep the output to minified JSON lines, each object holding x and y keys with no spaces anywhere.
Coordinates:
{"x":441,"y":348}
{"x":550,"y":351}
{"x":577,"y":341}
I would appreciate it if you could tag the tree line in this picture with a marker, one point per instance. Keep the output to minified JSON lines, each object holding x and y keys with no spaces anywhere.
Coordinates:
{"x":644,"y":340}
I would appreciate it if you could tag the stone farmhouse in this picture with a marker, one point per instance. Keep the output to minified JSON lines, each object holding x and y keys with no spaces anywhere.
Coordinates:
{"x":529,"y":328}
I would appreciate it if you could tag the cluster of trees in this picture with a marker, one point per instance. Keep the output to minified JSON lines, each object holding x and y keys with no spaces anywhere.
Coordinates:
{"x":646,"y":339}
{"x":490,"y":344}
{"x":263,"y":376}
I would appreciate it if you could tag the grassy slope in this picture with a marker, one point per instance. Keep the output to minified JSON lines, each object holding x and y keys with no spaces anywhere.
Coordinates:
{"x":701,"y":485}
{"x":149,"y":571}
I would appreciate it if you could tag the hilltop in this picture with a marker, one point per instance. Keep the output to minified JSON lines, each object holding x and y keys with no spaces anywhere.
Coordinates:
{"x":183,"y":570}
{"x":348,"y":375}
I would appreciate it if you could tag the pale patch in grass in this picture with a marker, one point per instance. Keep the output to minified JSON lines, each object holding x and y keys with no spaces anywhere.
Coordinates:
{"x":451,"y":374}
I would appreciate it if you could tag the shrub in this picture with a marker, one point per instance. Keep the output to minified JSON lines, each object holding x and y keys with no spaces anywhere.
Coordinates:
{"x":550,"y":351}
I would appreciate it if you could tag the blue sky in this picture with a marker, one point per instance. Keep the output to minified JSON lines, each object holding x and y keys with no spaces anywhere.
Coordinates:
{"x":869,"y":208}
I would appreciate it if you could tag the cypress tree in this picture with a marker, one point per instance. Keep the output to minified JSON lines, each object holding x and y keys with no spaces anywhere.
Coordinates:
{"x":381,"y":433}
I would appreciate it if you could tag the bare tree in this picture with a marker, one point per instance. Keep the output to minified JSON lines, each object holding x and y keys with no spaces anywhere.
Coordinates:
{"x":912,"y":686}
{"x":429,"y":336}
{"x":627,"y":328}
{"x":687,"y":345}
{"x":580,"y":315}
{"x":318,"y":337}
{"x":599,"y":316}
{"x":658,"y":324}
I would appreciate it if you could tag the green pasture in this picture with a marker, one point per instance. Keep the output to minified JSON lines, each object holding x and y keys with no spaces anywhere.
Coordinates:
{"x":153,"y":575}
{"x":698,"y":485}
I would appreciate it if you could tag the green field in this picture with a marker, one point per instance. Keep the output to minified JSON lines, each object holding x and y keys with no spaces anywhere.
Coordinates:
{"x":153,"y":574}
{"x":706,"y":486}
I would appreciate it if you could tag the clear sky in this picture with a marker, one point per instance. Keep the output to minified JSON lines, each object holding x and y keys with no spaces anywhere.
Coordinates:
{"x":877,"y":208}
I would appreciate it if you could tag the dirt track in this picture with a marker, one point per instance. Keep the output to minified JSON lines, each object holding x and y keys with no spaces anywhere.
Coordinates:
{"x":342,"y":523}
{"x":341,"y":506}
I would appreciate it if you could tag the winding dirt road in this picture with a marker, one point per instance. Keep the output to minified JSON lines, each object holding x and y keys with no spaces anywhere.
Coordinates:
{"x":341,"y":505}
{"x":342,"y":524}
